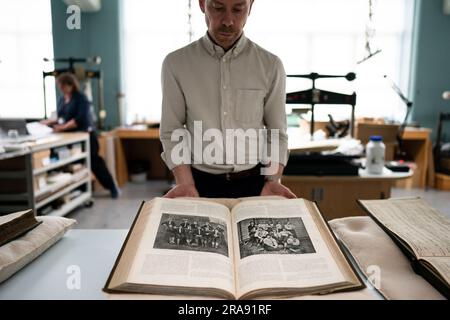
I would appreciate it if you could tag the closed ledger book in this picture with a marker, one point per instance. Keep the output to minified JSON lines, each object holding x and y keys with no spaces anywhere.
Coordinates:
{"x":259,"y":248}
{"x":16,"y":225}
{"x":421,"y":232}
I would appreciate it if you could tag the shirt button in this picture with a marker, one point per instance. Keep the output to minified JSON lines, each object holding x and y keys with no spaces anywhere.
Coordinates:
{"x":224,"y":60}
{"x":225,"y":113}
{"x":224,"y":87}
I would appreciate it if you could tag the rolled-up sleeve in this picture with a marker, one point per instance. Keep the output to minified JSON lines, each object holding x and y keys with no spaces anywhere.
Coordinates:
{"x":275,"y":111}
{"x":173,"y":115}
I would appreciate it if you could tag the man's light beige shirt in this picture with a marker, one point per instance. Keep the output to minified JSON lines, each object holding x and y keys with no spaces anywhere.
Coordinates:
{"x":242,"y":88}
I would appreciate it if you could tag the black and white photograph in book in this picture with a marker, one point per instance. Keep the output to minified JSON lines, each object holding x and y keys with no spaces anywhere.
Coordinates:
{"x":273,"y":236}
{"x":194,"y":233}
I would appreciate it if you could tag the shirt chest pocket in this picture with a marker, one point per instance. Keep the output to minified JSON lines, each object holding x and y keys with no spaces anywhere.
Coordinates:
{"x":249,"y":107}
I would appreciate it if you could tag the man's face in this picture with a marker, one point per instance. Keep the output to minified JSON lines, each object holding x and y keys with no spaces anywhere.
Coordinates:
{"x":226,"y":19}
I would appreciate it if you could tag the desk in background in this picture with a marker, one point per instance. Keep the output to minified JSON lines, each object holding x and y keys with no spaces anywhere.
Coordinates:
{"x":336,"y":195}
{"x":418,"y":147}
{"x":139,"y":145}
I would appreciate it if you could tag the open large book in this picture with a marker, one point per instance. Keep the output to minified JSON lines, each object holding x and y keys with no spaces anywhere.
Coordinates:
{"x":276,"y":248}
{"x":421,"y":232}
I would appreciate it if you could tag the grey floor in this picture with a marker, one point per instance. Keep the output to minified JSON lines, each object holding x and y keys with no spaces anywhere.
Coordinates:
{"x":107,"y":213}
{"x":119,"y":214}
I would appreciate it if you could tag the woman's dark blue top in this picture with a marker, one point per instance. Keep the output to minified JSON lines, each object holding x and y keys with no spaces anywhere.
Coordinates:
{"x":78,"y":108}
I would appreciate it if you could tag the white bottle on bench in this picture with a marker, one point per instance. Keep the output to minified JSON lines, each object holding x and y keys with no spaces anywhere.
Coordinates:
{"x":375,"y":153}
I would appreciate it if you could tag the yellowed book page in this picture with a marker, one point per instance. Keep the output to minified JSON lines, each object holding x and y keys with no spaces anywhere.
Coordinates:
{"x":279,"y":246}
{"x":425,"y":229}
{"x":185,"y":244}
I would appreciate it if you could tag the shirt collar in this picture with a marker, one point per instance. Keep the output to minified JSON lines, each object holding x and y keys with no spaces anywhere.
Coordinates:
{"x":217,"y":51}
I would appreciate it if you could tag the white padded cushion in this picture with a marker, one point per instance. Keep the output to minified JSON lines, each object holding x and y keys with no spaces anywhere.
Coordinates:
{"x":17,"y":254}
{"x":371,"y":246}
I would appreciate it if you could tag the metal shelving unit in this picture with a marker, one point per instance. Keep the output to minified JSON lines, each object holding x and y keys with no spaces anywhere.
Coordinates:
{"x":17,"y":190}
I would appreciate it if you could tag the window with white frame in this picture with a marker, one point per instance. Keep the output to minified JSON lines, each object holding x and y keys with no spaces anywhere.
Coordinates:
{"x":25,"y":40}
{"x":324,"y":36}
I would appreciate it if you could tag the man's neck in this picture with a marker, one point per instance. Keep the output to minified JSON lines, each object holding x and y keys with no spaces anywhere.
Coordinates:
{"x":226,"y":50}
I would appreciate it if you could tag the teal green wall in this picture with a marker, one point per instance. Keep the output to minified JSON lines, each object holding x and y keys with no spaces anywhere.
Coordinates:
{"x":431,"y":63}
{"x":430,"y":69}
{"x":99,"y":36}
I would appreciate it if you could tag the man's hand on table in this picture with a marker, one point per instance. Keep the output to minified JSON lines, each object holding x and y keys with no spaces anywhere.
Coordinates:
{"x":185,"y":185}
{"x":182,"y":191}
{"x":275,"y":188}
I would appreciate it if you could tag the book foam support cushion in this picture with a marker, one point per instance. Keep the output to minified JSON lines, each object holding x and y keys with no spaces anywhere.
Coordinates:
{"x":372,"y":248}
{"x":17,"y":254}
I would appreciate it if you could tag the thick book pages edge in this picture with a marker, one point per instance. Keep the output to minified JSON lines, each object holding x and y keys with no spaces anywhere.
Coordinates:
{"x":440,"y":285}
{"x":171,"y":291}
{"x":417,"y":264}
{"x":361,"y":285}
{"x":107,"y":288}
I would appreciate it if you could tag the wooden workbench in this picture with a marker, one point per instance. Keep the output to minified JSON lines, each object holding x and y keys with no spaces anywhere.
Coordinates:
{"x":336,"y":195}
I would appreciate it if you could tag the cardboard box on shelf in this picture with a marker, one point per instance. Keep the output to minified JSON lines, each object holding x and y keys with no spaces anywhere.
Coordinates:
{"x":41,"y":159}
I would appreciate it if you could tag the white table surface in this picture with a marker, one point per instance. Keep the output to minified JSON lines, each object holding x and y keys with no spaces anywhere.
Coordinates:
{"x":93,"y":251}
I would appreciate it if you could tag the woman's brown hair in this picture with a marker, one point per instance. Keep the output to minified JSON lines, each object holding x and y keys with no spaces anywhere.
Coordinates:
{"x":69,"y":79}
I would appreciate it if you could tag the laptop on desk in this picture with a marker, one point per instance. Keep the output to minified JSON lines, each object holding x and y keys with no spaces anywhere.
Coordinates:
{"x":17,"y":125}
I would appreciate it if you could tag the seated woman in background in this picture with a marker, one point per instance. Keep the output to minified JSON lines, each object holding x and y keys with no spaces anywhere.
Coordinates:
{"x":74,"y":115}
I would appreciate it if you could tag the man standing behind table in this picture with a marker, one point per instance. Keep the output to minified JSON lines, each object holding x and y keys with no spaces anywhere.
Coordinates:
{"x":227,"y":82}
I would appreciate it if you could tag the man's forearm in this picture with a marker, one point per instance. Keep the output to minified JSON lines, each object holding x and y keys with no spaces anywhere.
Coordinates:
{"x":183,"y":175}
{"x":276,"y":172}
{"x":280,"y":170}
